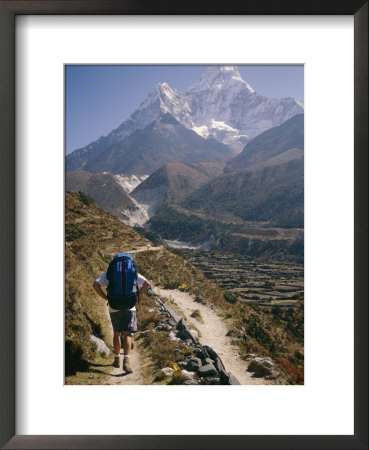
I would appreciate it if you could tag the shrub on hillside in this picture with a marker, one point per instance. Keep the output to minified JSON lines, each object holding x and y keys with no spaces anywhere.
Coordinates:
{"x":85,"y":198}
{"x":171,"y":284}
{"x":165,"y":353}
{"x":296,"y":374}
{"x":183,"y":287}
{"x":230,"y":298}
{"x":73,"y":232}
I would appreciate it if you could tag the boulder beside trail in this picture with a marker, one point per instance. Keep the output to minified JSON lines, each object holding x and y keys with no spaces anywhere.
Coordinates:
{"x":194,"y":363}
{"x":172,"y":337}
{"x":207,"y":371}
{"x":165,"y":372}
{"x":163,"y":327}
{"x":233,"y":379}
{"x":188,"y":375}
{"x":248,"y":356}
{"x":100,"y":345}
{"x":261,"y":367}
{"x":185,"y":331}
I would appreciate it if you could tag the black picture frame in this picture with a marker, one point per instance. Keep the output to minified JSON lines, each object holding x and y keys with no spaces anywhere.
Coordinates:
{"x":8,"y":12}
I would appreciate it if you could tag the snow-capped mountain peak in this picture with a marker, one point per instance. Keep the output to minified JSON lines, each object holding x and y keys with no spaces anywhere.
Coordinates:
{"x":163,"y":90}
{"x":164,"y":99}
{"x":161,"y":93}
{"x":220,"y":77}
{"x":224,"y":106}
{"x":220,"y":105}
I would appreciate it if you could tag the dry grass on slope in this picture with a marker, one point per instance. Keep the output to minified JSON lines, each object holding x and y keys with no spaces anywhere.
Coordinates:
{"x":92,"y":238}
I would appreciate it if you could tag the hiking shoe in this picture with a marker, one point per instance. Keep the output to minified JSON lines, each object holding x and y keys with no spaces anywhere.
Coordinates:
{"x":116,"y":362}
{"x":127,"y":365}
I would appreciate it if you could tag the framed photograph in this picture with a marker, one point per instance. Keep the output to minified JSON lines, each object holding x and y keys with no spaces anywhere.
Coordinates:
{"x":58,"y":59}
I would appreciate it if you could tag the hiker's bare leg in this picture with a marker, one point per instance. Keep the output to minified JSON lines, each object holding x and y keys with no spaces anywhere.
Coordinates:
{"x":127,"y":343}
{"x":116,"y":342}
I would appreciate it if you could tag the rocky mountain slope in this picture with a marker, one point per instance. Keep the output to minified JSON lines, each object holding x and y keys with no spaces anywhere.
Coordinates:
{"x":106,"y":189}
{"x":129,"y":182}
{"x":162,"y":141}
{"x":197,"y":203}
{"x":221,"y":105}
{"x":173,"y":182}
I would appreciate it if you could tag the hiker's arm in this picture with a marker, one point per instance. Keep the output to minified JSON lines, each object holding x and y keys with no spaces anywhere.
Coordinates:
{"x":98,"y":289}
{"x":144,"y":288}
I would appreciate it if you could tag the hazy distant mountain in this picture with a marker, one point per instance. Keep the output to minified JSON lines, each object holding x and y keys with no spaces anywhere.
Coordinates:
{"x":271,"y":143}
{"x":221,"y":105}
{"x":164,"y":140}
{"x":173,"y":182}
{"x":108,"y":193}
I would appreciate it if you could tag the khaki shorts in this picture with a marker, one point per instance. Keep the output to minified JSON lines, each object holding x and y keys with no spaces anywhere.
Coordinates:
{"x":125,"y":320}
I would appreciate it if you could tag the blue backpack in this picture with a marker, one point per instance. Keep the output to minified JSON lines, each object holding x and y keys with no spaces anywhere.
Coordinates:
{"x":122,"y":277}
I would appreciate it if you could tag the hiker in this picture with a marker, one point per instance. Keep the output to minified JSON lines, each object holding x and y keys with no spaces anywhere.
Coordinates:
{"x":124,"y":287}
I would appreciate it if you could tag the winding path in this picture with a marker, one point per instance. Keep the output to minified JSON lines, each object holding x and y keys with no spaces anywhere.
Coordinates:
{"x":213,"y":333}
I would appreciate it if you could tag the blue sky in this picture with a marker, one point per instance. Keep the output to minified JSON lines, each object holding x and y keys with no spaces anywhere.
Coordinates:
{"x":100,"y":98}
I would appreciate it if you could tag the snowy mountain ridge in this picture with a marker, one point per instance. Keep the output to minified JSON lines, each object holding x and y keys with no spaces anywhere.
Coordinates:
{"x":220,"y":105}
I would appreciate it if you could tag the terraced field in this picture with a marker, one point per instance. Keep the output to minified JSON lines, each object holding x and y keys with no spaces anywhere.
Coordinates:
{"x":262,"y":281}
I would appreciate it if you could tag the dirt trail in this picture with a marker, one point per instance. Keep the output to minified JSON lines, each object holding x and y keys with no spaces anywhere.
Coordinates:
{"x":117,"y":376}
{"x":146,"y":248}
{"x":213,"y":333}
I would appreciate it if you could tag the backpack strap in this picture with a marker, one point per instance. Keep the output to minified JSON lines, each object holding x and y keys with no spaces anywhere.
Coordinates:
{"x":136,"y":277}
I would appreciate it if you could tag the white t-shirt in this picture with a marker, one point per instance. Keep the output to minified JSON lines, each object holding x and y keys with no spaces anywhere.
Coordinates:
{"x":103,"y":282}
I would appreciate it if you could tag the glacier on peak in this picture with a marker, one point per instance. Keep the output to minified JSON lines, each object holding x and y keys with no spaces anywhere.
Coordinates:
{"x":202,"y":131}
{"x":220,"y":125}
